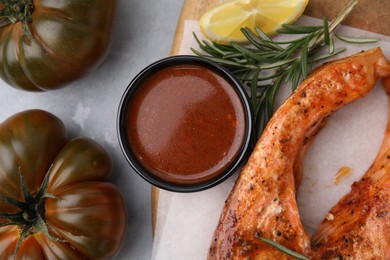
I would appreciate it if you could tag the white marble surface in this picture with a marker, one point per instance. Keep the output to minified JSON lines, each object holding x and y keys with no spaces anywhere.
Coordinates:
{"x":143,"y":33}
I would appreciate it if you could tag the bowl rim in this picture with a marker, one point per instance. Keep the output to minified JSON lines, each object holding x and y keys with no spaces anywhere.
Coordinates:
{"x":122,"y":118}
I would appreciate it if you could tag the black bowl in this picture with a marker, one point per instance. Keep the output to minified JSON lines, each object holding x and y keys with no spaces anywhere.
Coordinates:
{"x":123,"y":114}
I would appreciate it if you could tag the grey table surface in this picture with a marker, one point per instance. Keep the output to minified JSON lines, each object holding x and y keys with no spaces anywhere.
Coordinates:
{"x":143,"y":33}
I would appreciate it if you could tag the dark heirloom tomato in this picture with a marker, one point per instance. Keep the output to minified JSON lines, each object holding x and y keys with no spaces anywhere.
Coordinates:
{"x":54,"y":201}
{"x":49,"y":43}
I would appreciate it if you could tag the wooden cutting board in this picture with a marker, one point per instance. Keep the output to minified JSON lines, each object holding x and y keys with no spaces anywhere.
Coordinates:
{"x":370,"y":15}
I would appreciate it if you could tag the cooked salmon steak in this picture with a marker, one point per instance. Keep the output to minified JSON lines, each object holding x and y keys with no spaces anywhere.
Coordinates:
{"x":263,"y":200}
{"x":359,"y":224}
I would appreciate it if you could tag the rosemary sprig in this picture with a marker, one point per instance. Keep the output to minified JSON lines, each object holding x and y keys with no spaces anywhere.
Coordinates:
{"x":267,"y":64}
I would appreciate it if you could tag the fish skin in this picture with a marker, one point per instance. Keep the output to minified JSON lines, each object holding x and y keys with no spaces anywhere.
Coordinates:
{"x":263,"y":200}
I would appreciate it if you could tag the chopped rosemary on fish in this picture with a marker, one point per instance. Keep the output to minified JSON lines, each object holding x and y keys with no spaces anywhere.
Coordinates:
{"x":266,"y":65}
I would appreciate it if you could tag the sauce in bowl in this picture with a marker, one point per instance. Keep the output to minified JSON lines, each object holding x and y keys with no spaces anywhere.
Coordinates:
{"x":186,"y":125}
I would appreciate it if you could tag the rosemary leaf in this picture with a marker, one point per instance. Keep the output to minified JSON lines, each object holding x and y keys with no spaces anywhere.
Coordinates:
{"x":213,"y":48}
{"x":291,"y":72}
{"x":324,"y":56}
{"x":291,"y":50}
{"x":275,"y":75}
{"x":200,"y":44}
{"x":331,"y":45}
{"x":247,"y":52}
{"x":304,"y":58}
{"x":315,"y":40}
{"x":284,"y":31}
{"x":225,"y":48}
{"x":272,"y":95}
{"x":284,"y":249}
{"x":355,"y":40}
{"x":267,"y":40}
{"x":231,"y":55}
{"x":254,"y":39}
{"x":326,"y":31}
{"x":296,"y":78}
{"x":297,"y":29}
{"x":254,"y":99}
{"x":277,"y":64}
{"x":291,"y":41}
{"x":254,"y":87}
{"x":261,"y":119}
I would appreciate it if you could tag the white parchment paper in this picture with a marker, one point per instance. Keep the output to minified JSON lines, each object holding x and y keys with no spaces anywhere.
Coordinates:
{"x":351,"y":138}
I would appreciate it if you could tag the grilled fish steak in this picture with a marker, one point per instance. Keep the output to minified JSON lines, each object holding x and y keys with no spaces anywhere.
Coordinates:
{"x":263,"y":200}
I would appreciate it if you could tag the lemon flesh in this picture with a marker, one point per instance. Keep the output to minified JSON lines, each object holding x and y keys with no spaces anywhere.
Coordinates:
{"x":223,"y":23}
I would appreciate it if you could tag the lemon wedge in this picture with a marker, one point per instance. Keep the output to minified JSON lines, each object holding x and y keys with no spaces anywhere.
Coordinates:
{"x":223,"y":23}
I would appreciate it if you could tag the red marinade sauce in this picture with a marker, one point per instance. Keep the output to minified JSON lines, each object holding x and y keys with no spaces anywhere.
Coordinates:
{"x":186,"y":124}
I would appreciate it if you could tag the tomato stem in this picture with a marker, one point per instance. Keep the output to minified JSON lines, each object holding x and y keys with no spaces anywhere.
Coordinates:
{"x":32,"y":210}
{"x":17,"y":11}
